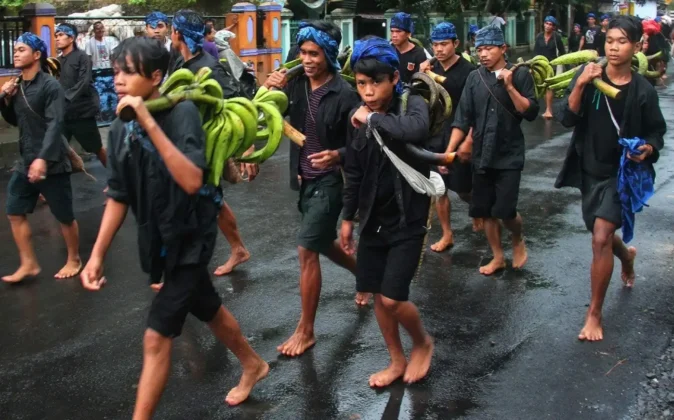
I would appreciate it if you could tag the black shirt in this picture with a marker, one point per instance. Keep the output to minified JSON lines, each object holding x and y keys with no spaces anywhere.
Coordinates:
{"x":80,"y":94}
{"x":409,"y":62}
{"x":226,"y":81}
{"x":551,"y":49}
{"x":590,"y":35}
{"x":174,"y":228}
{"x":600,"y":43}
{"x":601,"y":151}
{"x":574,"y":42}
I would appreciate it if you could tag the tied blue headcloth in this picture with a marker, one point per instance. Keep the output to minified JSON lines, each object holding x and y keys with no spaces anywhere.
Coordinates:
{"x":34,"y":42}
{"x":605,"y":17}
{"x":443,"y":32}
{"x":551,"y":19}
{"x":472,"y":29}
{"x":65,"y":29}
{"x":402,"y":21}
{"x":489,"y":35}
{"x":635,"y":185}
{"x":329,"y":45}
{"x":380,"y":50}
{"x":192,"y":32}
{"x":591,"y":15}
{"x":154,"y":18}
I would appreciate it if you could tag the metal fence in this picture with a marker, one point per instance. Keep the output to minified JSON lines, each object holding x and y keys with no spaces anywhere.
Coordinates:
{"x":10,"y":29}
{"x":522,"y":32}
{"x":294,"y":28}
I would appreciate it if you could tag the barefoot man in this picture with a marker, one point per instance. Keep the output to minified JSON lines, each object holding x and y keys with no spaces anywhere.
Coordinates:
{"x":393,"y":216}
{"x":458,"y":178}
{"x":321,"y":102}
{"x":595,"y":160}
{"x":157,"y":167}
{"x":494,"y":102}
{"x":36,"y":105}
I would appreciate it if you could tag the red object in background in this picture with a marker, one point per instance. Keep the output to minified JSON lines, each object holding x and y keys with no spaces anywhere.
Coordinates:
{"x":651,"y":27}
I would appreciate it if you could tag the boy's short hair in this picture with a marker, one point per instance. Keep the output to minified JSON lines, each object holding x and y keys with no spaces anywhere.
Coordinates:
{"x":630,"y":25}
{"x":374,"y":69}
{"x":147,"y":55}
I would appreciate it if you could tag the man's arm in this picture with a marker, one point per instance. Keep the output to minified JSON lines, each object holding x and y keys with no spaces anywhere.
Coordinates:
{"x":464,"y":118}
{"x":351,"y":101}
{"x":654,"y":125}
{"x":522,"y":93}
{"x":113,"y":217}
{"x":353,"y":174}
{"x":582,"y":42}
{"x":409,"y":128}
{"x":7,"y":110}
{"x":83,"y":79}
{"x":53,"y":115}
{"x":569,"y":112}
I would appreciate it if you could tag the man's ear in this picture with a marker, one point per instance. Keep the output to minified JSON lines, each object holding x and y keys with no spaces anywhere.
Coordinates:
{"x":456,"y":43}
{"x":157,"y":77}
{"x":396,"y":77}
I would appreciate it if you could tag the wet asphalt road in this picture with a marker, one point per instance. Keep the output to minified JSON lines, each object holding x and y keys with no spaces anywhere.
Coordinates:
{"x":506,"y":346}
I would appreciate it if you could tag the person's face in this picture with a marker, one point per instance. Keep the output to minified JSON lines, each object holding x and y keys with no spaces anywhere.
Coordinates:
{"x":619,"y":49}
{"x":604,"y":23}
{"x":313,"y":59}
{"x":211,"y":35}
{"x":444,"y":50}
{"x":576,"y":29}
{"x":490,"y":55}
{"x":99,"y":29}
{"x":24,"y":56}
{"x":133,"y":83}
{"x":175,"y":39}
{"x":591,"y":21}
{"x":62,"y":40}
{"x":158,"y":33}
{"x":548,"y":27}
{"x":377,"y":92}
{"x":399,"y":37}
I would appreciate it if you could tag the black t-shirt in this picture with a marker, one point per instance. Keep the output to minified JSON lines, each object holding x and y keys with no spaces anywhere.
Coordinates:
{"x":590,"y":35}
{"x":385,"y":211}
{"x":574,"y":42}
{"x":601,"y":151}
{"x":229,"y":85}
{"x":409,"y":62}
{"x":600,"y":43}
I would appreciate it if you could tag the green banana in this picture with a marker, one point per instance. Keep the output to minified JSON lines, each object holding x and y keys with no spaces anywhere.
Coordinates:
{"x":248,"y":120}
{"x":213,"y":130}
{"x":211,"y":88}
{"x":643,"y":62}
{"x":219,"y":159}
{"x":561,"y":85}
{"x":238,"y":132}
{"x":203,"y":74}
{"x":275,"y":125}
{"x":277,"y":97}
{"x":178,"y":78}
{"x":575,"y":58}
{"x":569,"y":74}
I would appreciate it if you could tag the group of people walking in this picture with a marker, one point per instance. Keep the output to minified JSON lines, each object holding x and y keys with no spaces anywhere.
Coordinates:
{"x":156,"y":167}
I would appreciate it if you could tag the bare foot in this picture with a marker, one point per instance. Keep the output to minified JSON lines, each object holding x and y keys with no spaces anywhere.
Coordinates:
{"x":297,"y":344}
{"x":387,"y":376}
{"x":628,"y":275}
{"x":446,"y":242}
{"x":493,"y":266}
{"x":362,"y":298}
{"x":22,"y":273}
{"x":156,"y":287}
{"x":239,"y":256}
{"x":249,"y":378}
{"x":478,"y":224}
{"x":420,"y":361}
{"x":547,"y":115}
{"x":592,"y":330}
{"x":71,"y":269}
{"x":42,"y":200}
{"x":520,"y":255}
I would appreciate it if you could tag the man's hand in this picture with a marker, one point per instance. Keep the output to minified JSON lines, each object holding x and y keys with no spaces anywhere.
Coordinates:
{"x":346,"y":237}
{"x":9,"y":88}
{"x":507,"y":77}
{"x":37,"y":171}
{"x":92,"y":275}
{"x":252,"y":169}
{"x":425,"y":66}
{"x":360,"y":117}
{"x":276,"y":80}
{"x":465,"y":151}
{"x":143,"y":116}
{"x":646,"y":151}
{"x":325,"y":159}
{"x":443,"y":170}
{"x":591,"y":71}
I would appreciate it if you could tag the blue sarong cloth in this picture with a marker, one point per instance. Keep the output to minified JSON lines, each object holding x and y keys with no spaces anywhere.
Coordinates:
{"x":329,"y":45}
{"x":380,"y":50}
{"x":635,"y":185}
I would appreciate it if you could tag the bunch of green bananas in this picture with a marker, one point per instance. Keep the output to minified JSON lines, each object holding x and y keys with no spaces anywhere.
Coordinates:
{"x":540,"y":69}
{"x":438,"y":100}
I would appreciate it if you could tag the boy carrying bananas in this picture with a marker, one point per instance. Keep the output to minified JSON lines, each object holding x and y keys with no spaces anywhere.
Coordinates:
{"x":494,"y":102}
{"x":614,"y":145}
{"x":393,"y":216}
{"x":157,"y":167}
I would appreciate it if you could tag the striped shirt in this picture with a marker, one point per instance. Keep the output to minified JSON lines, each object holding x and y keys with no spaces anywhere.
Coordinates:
{"x":312,"y":144}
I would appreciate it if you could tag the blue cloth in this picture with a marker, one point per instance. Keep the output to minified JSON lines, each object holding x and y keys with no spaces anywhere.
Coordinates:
{"x":34,"y":42}
{"x":472,"y":29}
{"x":489,"y":35}
{"x":635,"y":185}
{"x":551,"y":19}
{"x":192,"y":32}
{"x":154,"y":18}
{"x":443,"y":31}
{"x":658,"y":19}
{"x":577,"y":25}
{"x":329,"y":45}
{"x":591,"y":15}
{"x":605,"y":17}
{"x":65,"y":29}
{"x":380,"y":50}
{"x":402,"y":21}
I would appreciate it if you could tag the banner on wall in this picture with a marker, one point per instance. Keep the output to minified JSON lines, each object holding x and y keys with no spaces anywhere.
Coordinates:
{"x":104,"y":82}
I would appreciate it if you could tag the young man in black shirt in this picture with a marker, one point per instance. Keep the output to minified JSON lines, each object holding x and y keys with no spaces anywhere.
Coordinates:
{"x":594,"y":156}
{"x":36,"y":104}
{"x":590,"y":39}
{"x":393,"y":216}
{"x":410,"y":56}
{"x":601,"y":35}
{"x":81,"y":97}
{"x":458,"y":177}
{"x":493,"y":103}
{"x":549,"y":44}
{"x":157,"y":167}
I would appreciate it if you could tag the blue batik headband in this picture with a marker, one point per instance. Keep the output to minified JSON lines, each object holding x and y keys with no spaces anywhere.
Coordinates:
{"x":154,"y":18}
{"x":65,"y":29}
{"x":591,"y":15}
{"x":489,"y":35}
{"x":402,"y":21}
{"x":605,"y":17}
{"x":193,"y":33}
{"x":472,"y":29}
{"x":329,"y":45}
{"x":551,"y":19}
{"x":34,"y":42}
{"x":444,"y":31}
{"x":379,"y":49}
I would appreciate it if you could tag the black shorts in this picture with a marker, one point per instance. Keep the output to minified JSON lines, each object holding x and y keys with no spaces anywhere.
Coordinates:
{"x":495,"y":193}
{"x":460,"y":177}
{"x":600,"y":200}
{"x":85,"y":132}
{"x":320,"y":204}
{"x":187,"y":289}
{"x":387,"y":262}
{"x":22,"y":196}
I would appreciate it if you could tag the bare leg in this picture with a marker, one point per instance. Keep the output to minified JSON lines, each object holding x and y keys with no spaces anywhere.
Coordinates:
{"x":492,"y":228}
{"x":444,"y":207}
{"x":310,"y":291}
{"x":226,"y":329}
{"x":156,"y":367}
{"x":22,"y":237}
{"x":626,"y":256}
{"x":102,"y":156}
{"x":71,"y":234}
{"x":600,"y":275}
{"x":388,"y":324}
{"x":548,"y":105}
{"x":339,"y":257}
{"x":520,"y":255}
{"x":227,"y":224}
